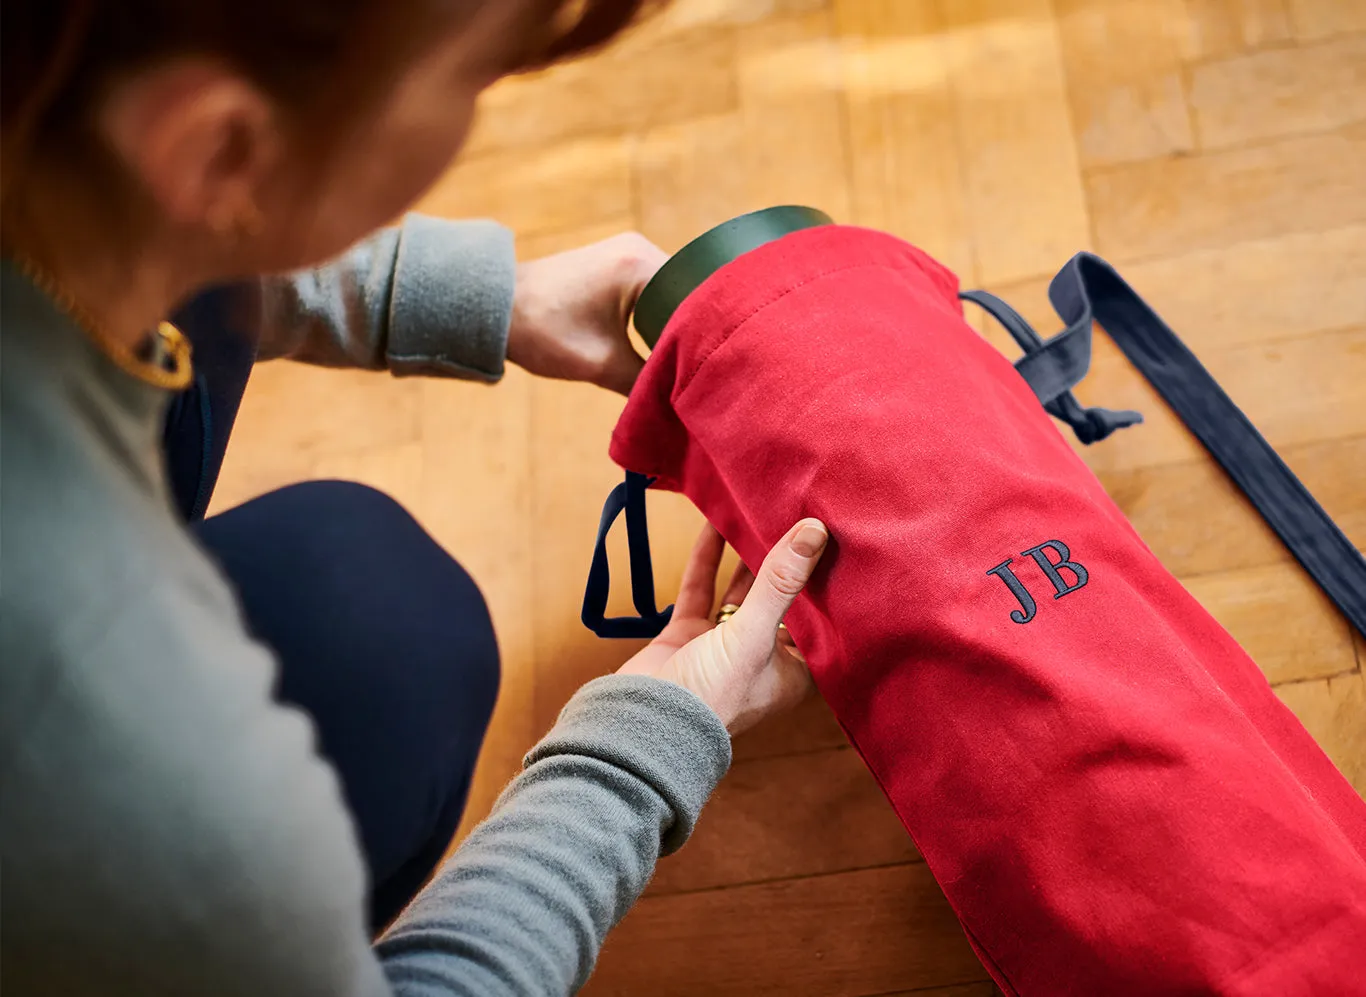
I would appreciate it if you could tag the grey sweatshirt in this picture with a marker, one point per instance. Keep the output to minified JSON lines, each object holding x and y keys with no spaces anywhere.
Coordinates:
{"x":165,"y":826}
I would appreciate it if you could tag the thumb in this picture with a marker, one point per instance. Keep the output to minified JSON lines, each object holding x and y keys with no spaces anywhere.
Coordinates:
{"x":779,"y":580}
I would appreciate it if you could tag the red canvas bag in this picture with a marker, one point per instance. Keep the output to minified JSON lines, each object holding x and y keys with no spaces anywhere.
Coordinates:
{"x":1103,"y":783}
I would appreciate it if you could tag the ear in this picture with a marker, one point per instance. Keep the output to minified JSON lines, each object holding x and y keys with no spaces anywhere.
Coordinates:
{"x":198,"y":137}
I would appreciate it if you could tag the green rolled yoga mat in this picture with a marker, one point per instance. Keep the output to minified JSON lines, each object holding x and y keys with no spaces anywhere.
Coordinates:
{"x":708,"y":253}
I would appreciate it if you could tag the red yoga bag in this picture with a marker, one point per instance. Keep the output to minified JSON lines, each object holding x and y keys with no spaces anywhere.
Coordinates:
{"x":1100,"y":779}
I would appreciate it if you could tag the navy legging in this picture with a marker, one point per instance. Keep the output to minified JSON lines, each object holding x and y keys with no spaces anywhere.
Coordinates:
{"x":380,"y":635}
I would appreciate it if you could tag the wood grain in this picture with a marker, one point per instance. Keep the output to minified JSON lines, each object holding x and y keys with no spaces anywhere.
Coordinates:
{"x":1164,"y":206}
{"x":809,"y":727}
{"x":1124,"y":77}
{"x":1197,"y":522}
{"x":1220,"y":28}
{"x":907,"y":172}
{"x":396,"y":470}
{"x":1248,"y":292}
{"x":793,"y":815}
{"x":632,"y":86}
{"x":1025,"y":207}
{"x":1281,"y":618}
{"x":792,"y":113}
{"x":292,"y":417}
{"x":983,"y":989}
{"x":690,"y":177}
{"x":1331,"y":710}
{"x":1281,"y":92}
{"x":476,"y":434}
{"x":1266,"y":381}
{"x":865,"y":932}
{"x":1313,"y":19}
{"x":564,"y":186}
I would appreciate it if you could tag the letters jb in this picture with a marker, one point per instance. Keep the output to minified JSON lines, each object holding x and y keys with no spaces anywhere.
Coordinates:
{"x":1051,"y":569}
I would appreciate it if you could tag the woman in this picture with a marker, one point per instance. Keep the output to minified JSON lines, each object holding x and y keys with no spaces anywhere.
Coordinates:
{"x":170,"y":826}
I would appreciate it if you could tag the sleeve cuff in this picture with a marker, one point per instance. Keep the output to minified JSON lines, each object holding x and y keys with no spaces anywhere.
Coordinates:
{"x":656,"y":730}
{"x":452,"y":299}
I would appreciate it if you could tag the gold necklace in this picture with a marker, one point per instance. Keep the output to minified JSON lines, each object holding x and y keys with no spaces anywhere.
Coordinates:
{"x":167,"y":362}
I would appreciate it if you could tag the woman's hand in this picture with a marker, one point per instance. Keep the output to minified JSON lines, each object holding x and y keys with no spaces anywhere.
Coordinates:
{"x":570,"y":311}
{"x":744,"y":668}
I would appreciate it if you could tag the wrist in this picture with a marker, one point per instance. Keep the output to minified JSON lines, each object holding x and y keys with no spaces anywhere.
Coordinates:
{"x":518,"y":319}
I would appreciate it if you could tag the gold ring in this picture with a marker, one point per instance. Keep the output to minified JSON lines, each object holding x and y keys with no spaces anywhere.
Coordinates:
{"x":726,"y":612}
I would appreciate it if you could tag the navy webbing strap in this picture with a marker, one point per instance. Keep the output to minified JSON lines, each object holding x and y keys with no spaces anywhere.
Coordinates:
{"x":1053,"y":367}
{"x":1088,"y":289}
{"x":628,"y":497}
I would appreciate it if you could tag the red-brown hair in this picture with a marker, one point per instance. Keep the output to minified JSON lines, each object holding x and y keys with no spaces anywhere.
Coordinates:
{"x":56,"y":54}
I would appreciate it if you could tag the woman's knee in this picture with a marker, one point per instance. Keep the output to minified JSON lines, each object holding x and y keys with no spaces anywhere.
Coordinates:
{"x":353,"y":559}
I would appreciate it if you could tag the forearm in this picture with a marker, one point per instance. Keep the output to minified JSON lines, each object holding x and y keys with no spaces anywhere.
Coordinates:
{"x":523,"y":906}
{"x":427,"y":297}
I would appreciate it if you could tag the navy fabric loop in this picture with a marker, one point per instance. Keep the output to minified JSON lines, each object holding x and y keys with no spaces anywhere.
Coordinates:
{"x":1088,"y":289}
{"x":628,"y":497}
{"x":1053,"y":367}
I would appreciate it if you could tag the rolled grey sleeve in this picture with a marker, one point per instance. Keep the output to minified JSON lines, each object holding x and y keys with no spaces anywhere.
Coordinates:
{"x":523,"y":906}
{"x":429,"y":297}
{"x":452,"y":298}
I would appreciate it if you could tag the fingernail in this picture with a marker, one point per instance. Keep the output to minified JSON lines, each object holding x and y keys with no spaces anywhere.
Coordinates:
{"x":810,"y":539}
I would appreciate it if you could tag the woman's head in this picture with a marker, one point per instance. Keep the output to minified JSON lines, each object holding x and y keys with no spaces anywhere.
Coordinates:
{"x":257,"y":134}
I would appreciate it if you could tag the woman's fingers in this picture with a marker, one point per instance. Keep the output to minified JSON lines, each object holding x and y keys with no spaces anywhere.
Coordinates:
{"x":699,"y":577}
{"x":738,"y":669}
{"x":780,"y":579}
{"x":741,"y":581}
